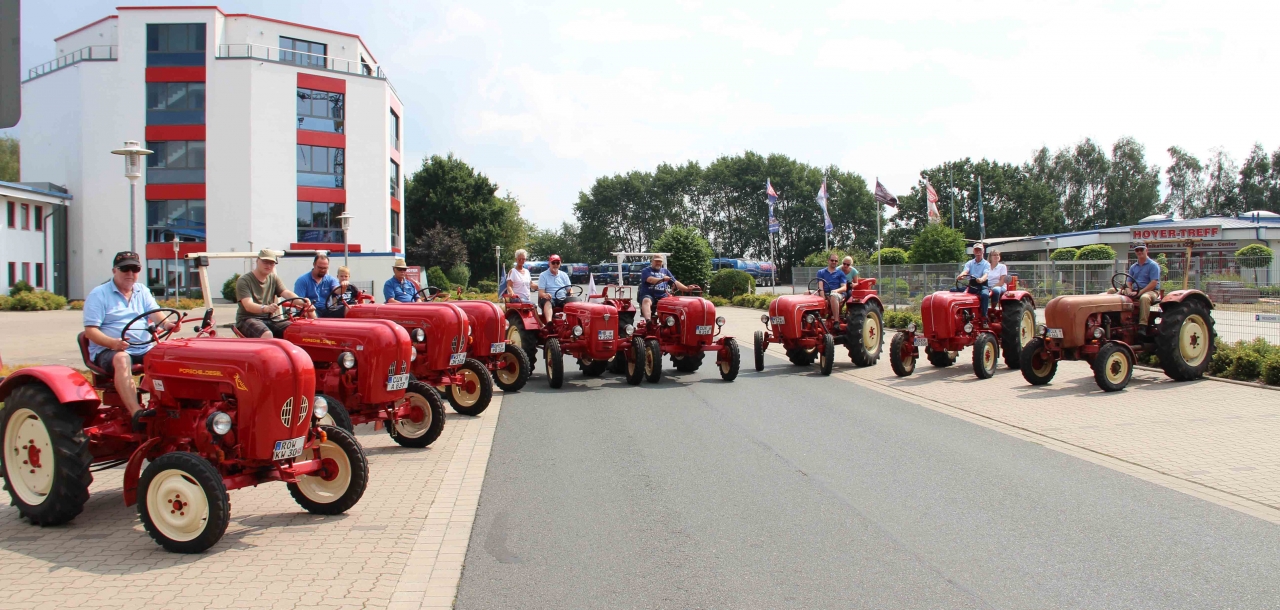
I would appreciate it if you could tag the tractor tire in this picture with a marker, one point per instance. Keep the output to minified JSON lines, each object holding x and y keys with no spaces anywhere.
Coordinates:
{"x":941,"y":359}
{"x":337,"y":495}
{"x":183,"y":503}
{"x":1036,"y":368}
{"x":729,"y":368}
{"x":689,"y":364}
{"x":864,"y":335}
{"x":526,"y":339}
{"x":1017,"y":327}
{"x":1112,"y":367}
{"x":986,"y":354}
{"x":618,"y":365}
{"x":902,"y":365}
{"x":593,"y":368}
{"x":652,"y":361}
{"x":759,"y":350}
{"x":476,"y":401}
{"x":800,"y":357}
{"x":416,"y":435}
{"x":555,"y":363}
{"x":827,"y":354}
{"x":33,"y":413}
{"x":1186,"y":340}
{"x":337,"y":416}
{"x":505,"y":377}
{"x":635,"y":365}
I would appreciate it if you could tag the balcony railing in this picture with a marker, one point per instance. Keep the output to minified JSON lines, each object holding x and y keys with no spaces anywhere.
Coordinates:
{"x":306,"y":60}
{"x":90,"y":53}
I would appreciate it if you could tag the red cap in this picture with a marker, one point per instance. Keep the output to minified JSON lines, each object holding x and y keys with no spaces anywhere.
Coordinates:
{"x":555,"y":258}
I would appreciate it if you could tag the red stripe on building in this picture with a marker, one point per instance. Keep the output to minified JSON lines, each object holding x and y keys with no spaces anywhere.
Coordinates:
{"x":322,"y":83}
{"x":175,"y":191}
{"x":175,"y":132}
{"x":164,"y":250}
{"x":332,"y":248}
{"x":322,"y":138}
{"x":311,"y":193}
{"x":395,"y":204}
{"x":181,"y":74}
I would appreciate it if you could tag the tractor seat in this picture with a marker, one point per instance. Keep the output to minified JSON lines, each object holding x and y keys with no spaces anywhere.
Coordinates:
{"x":94,"y":368}
{"x":866,"y":284}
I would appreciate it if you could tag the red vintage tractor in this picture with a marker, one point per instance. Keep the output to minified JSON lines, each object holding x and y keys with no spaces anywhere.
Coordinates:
{"x":686,"y":327}
{"x":491,"y":343}
{"x":805,"y":327}
{"x":1103,"y":330}
{"x":593,"y":333}
{"x":952,"y":323}
{"x":220,"y":414}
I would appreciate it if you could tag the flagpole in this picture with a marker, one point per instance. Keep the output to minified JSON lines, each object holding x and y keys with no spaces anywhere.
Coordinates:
{"x":951,"y":186}
{"x":982,"y":221}
{"x":879,"y":243}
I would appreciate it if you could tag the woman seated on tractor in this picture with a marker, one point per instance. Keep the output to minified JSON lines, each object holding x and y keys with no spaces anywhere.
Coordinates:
{"x":518,"y":280}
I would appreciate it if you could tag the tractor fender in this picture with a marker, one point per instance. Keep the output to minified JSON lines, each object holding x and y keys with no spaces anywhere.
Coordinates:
{"x":1191,"y":294}
{"x":134,"y":470}
{"x":1018,"y":295}
{"x":68,"y":385}
{"x":529,"y":319}
{"x":871,"y":298}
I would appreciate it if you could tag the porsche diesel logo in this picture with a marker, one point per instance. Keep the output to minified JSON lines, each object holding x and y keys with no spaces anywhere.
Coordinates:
{"x":240,"y":384}
{"x":286,"y":413}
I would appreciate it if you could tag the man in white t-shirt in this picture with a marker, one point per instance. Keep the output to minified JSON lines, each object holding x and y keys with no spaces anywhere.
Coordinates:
{"x":518,"y":280}
{"x":998,"y":278}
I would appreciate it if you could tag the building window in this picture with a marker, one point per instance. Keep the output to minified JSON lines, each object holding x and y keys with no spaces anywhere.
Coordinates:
{"x":318,"y":222}
{"x":307,"y":53}
{"x":395,"y":130}
{"x":320,"y":166}
{"x":175,"y":103}
{"x":26,"y":272}
{"x":395,"y":179}
{"x":175,"y":44}
{"x":26,"y":217}
{"x":39,"y":212}
{"x":13,"y":215}
{"x":320,"y":110}
{"x":39,"y":275}
{"x":395,"y":229}
{"x":13,"y":274}
{"x":176,"y":162}
{"x":181,"y":218}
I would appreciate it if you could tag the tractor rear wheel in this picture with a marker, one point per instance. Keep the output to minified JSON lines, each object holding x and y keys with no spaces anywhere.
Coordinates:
{"x":337,"y":415}
{"x":1112,"y":367}
{"x":513,"y":369}
{"x":183,"y":503}
{"x":555,"y":363}
{"x":941,"y":359}
{"x":333,"y":493}
{"x":634,"y":364}
{"x":1017,"y":327}
{"x":732,"y":360}
{"x":759,"y":350}
{"x":46,"y":456}
{"x":1037,"y":364}
{"x":900,"y":358}
{"x":592,"y":368}
{"x":689,"y":364}
{"x":473,"y":395}
{"x":652,"y":361}
{"x":985,"y":356}
{"x":418,"y":434}
{"x":1185,"y":343}
{"x":526,"y":339}
{"x":827,"y":354}
{"x":864,"y":334}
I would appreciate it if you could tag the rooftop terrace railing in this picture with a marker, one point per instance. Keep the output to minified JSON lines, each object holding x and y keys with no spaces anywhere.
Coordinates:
{"x":306,"y":60}
{"x":90,"y":53}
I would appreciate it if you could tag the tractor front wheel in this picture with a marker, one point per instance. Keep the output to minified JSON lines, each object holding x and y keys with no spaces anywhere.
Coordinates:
{"x":1037,"y":364}
{"x":183,"y":503}
{"x":730,"y":359}
{"x":337,"y":415}
{"x":430,"y":409}
{"x":592,"y":368}
{"x":800,"y":356}
{"x":46,"y":456}
{"x":473,"y":395}
{"x":985,"y":355}
{"x":653,"y":361}
{"x":555,"y":363}
{"x":864,"y":334}
{"x":901,"y":360}
{"x":759,"y":350}
{"x":941,"y":359}
{"x":689,"y":364}
{"x":827,"y":354}
{"x":344,"y":480}
{"x":634,"y":363}
{"x":1017,"y":328}
{"x":1112,"y":368}
{"x":513,"y":369}
{"x":1185,"y":343}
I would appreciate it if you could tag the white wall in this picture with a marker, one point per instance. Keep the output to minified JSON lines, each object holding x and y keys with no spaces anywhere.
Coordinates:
{"x":103,"y":33}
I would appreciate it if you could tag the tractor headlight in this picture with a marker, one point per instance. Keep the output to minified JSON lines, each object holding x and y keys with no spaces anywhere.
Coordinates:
{"x":1097,"y":332}
{"x":1042,"y":330}
{"x":911,"y":327}
{"x":320,"y":408}
{"x":809,"y":318}
{"x":720,"y":321}
{"x":418,"y":335}
{"x":413,"y":354}
{"x":347,"y":360}
{"x":629,"y":330}
{"x":671,"y":320}
{"x":577,"y":330}
{"x":219,"y":423}
{"x":765,"y":319}
{"x":968,"y":327}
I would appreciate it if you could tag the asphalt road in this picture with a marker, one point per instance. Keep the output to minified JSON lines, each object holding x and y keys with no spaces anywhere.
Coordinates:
{"x":783,"y":489}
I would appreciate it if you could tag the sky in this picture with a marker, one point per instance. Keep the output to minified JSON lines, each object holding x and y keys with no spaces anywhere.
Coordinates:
{"x":544,"y":97}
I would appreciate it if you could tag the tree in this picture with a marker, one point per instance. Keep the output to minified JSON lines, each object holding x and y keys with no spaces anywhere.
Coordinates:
{"x":690,"y":259}
{"x":9,"y":157}
{"x":1255,"y":256}
{"x":1096,"y":252}
{"x":890,"y":256}
{"x":820,"y":258}
{"x":1186,"y":184}
{"x":1132,"y":187}
{"x":1221,"y":196}
{"x":1064,"y":254}
{"x":937,"y":243}
{"x":1273,"y":183}
{"x":565,"y":241}
{"x":437,"y":247}
{"x":1255,"y":176}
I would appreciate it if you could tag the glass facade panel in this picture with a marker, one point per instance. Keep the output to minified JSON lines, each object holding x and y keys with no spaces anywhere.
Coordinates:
{"x":176,"y":154}
{"x":175,"y":44}
{"x":184,"y":219}
{"x":395,"y":229}
{"x":320,"y":110}
{"x":395,"y":130}
{"x":320,"y":166}
{"x":318,"y":222}
{"x":395,"y":179}
{"x":308,"y":53}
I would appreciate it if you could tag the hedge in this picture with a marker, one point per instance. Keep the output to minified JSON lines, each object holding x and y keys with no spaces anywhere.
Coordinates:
{"x":20,"y":287}
{"x":459,"y":275}
{"x":889,"y":256}
{"x":1254,"y":256}
{"x":728,"y":283}
{"x":437,"y":278}
{"x":487,"y":286}
{"x":33,"y":301}
{"x":1096,"y":252}
{"x":1064,"y":254}
{"x":1247,"y":361}
{"x":900,"y":319}
{"x":754,"y":301}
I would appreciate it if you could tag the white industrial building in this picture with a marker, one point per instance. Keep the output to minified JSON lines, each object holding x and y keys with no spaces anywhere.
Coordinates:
{"x":33,"y":214}
{"x":264,"y":132}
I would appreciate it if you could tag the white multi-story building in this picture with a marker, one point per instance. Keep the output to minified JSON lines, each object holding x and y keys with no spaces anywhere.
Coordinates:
{"x":264,"y":132}
{"x":33,"y":213}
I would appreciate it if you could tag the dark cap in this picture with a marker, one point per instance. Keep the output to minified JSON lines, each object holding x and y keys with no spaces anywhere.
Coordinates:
{"x":1139,"y":245}
{"x":126,"y":258}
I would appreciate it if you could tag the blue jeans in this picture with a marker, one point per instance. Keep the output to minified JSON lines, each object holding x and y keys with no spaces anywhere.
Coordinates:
{"x":997,"y":292}
{"x":984,"y":296}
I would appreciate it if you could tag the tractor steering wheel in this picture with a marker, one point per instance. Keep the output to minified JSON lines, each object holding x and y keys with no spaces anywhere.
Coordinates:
{"x":815,"y":286}
{"x":1123,"y":286}
{"x":289,"y":307}
{"x":568,"y":290}
{"x":152,"y":329}
{"x":431,"y":293}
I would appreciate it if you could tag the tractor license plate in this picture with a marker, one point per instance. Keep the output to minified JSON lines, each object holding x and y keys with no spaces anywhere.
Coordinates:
{"x":457,"y":359}
{"x":1055,"y":333}
{"x":288,"y":449}
{"x":605,"y":335}
{"x":498,"y":348}
{"x":397,"y":382}
{"x":703,"y":330}
{"x":922,"y":342}
{"x":777,"y":320}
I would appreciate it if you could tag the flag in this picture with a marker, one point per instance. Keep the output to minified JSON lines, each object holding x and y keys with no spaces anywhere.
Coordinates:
{"x":773,"y":200}
{"x":932,"y":196}
{"x":591,"y":285}
{"x":884,"y":196}
{"x":822,"y":201}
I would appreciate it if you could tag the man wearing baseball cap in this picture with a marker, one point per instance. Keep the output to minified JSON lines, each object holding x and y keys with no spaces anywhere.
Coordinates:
{"x":257,"y":292}
{"x":400,"y":289}
{"x":107,"y":310}
{"x":1144,"y":282}
{"x":549,"y":284}
{"x":977,"y":271}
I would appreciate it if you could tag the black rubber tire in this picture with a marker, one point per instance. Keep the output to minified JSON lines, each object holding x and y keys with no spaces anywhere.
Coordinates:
{"x":634,"y":368}
{"x":729,"y":370}
{"x":940,"y":359}
{"x":827,"y":354}
{"x":595,"y":368}
{"x":524,"y":369}
{"x":528,"y":339}
{"x":759,"y":350}
{"x":618,"y":363}
{"x":1173,"y":316}
{"x":1011,"y":330}
{"x":984,"y":342}
{"x":486,"y":389}
{"x":436,"y":406}
{"x":689,"y":364}
{"x":1027,"y":364}
{"x":856,"y":320}
{"x":355,"y":489}
{"x":652,"y":361}
{"x":801,"y":357}
{"x":204,"y":474}
{"x":70,"y":488}
{"x":1100,"y":366}
{"x":338,"y":414}
{"x":555,"y":363}
{"x":902,"y":367}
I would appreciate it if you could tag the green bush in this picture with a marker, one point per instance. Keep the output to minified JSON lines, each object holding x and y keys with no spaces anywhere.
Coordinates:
{"x":229,"y":288}
{"x":1163,"y":261}
{"x":1223,"y":357}
{"x":437,"y":278}
{"x":75,"y":305}
{"x":754,"y":301}
{"x":20,"y":287}
{"x":459,"y":275}
{"x":900,"y":319}
{"x":1271,"y":370}
{"x":34,"y":301}
{"x":690,"y":259}
{"x":889,"y":256}
{"x":718,"y":301}
{"x":1243,"y":361}
{"x":487,"y":286}
{"x":6,"y":302}
{"x":937,"y":243}
{"x":1064,"y":254}
{"x":1247,"y":366}
{"x":1096,"y":252}
{"x":729,"y":283}
{"x":819,"y":258}
{"x":1254,"y":256}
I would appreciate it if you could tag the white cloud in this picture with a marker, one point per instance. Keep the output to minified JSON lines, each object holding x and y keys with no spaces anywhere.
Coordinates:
{"x":595,"y":26}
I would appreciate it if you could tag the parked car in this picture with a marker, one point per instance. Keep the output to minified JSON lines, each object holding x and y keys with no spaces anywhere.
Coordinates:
{"x":579,"y":273}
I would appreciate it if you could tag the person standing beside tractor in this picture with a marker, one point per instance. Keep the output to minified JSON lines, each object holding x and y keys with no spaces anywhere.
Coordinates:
{"x":518,"y":280}
{"x":834,"y":283}
{"x":1143,"y":283}
{"x":107,"y":310}
{"x":550,"y":283}
{"x":998,"y":279}
{"x":976,"y":271}
{"x":257,"y":292}
{"x":653,"y":276}
{"x":316,"y":286}
{"x":400,"y":288}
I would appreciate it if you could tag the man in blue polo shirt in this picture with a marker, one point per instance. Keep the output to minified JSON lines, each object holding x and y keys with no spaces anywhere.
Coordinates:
{"x":833,"y":282}
{"x":318,"y":286}
{"x":1145,"y":282}
{"x":976,"y":269}
{"x":655,"y":285}
{"x":400,"y":288}
{"x":552,"y":287}
{"x":107,"y":310}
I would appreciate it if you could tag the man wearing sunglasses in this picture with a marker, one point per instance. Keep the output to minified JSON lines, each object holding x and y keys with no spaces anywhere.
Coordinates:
{"x":549,"y":281}
{"x":655,"y":285}
{"x":257,"y":292}
{"x":107,"y":310}
{"x":833,"y":282}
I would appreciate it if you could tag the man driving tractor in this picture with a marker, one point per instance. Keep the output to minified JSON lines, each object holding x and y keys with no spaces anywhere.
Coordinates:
{"x":1143,"y":284}
{"x":549,"y":283}
{"x":976,"y":271}
{"x":834,"y":282}
{"x":107,"y":310}
{"x":257,"y":292}
{"x":399,"y":288}
{"x":653,"y":276}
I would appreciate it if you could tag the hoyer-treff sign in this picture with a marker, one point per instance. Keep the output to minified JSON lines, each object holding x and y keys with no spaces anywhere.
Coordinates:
{"x":1180,"y":233}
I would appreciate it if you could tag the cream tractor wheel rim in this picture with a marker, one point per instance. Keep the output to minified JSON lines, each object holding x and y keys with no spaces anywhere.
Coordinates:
{"x":28,"y":457}
{"x":989,"y":355}
{"x":1027,"y":330}
{"x":513,"y":334}
{"x":508,"y":368}
{"x":409,"y":428}
{"x":1117,"y":367}
{"x":1193,"y":340}
{"x":317,"y":489}
{"x":909,"y":363}
{"x":871,"y":339}
{"x":459,"y":390}
{"x":177,"y":505}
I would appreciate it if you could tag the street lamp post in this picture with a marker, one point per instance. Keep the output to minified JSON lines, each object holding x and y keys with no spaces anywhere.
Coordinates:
{"x":345,"y":218}
{"x":132,"y":154}
{"x":177,"y":273}
{"x":497,"y":254}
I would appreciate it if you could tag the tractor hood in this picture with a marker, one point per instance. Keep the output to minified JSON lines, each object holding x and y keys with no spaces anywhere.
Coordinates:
{"x":381,"y":348}
{"x":1071,"y":312}
{"x":488,"y":325}
{"x":792,"y":308}
{"x":446,"y":327}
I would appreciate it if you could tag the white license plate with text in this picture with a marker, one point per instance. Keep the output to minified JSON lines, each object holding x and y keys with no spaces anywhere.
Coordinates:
{"x":777,"y":320}
{"x":457,"y":359}
{"x":397,"y":382}
{"x":288,"y":449}
{"x":605,"y":335}
{"x":1055,"y":333}
{"x":498,"y":348}
{"x":922,"y":342}
{"x":703,"y":330}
